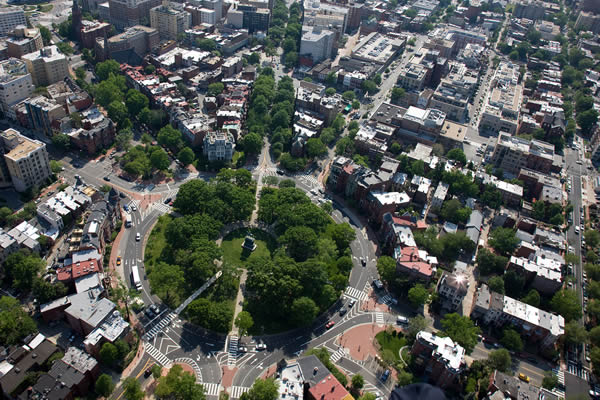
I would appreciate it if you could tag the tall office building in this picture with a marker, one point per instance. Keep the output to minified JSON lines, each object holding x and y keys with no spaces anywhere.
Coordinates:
{"x":47,"y":66}
{"x":10,"y":18}
{"x":125,"y":13}
{"x":170,"y":19}
{"x":15,"y":85}
{"x":24,"y":160}
{"x":316,"y":43}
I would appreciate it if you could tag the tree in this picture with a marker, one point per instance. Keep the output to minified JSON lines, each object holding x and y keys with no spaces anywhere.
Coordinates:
{"x":156,"y":371}
{"x":342,"y":234}
{"x":109,"y":354}
{"x":575,"y":333}
{"x":117,"y":111}
{"x":348,"y":96}
{"x":386,"y":266}
{"x":291,"y":59}
{"x":159,"y":159}
{"x":149,"y":69}
{"x":62,"y":141}
{"x":179,"y":385}
{"x":215,"y":89}
{"x":418,"y":295}
{"x":369,"y":86}
{"x":457,"y":155}
{"x":105,"y":68}
{"x":252,"y":143}
{"x":45,"y":34}
{"x":301,"y":242}
{"x":496,"y":284}
{"x":503,"y":240}
{"x":167,"y":282}
{"x":315,"y":148}
{"x":133,"y":390}
{"x":45,"y":291}
{"x":462,"y":330}
{"x":186,"y":156}
{"x":500,"y":360}
{"x":532,"y":298}
{"x":330,"y":91}
{"x":15,"y":323}
{"x":397,"y":94}
{"x":136,"y":102}
{"x":206,"y":44}
{"x":253,"y":58}
{"x":512,"y":340}
{"x":123,"y":139}
{"x":262,"y":389}
{"x":104,"y":386}
{"x":405,"y":378}
{"x":587,"y":120}
{"x":592,"y":238}
{"x":594,"y":336}
{"x":169,"y":137}
{"x":358,"y":382}
{"x":565,"y":303}
{"x":23,"y":267}
{"x":244,"y":322}
{"x":416,"y":325}
{"x":454,"y":212}
{"x":550,"y":380}
{"x":304,"y":310}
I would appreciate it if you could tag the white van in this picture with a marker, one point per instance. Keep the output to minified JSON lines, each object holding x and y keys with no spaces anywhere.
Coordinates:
{"x":401,"y":320}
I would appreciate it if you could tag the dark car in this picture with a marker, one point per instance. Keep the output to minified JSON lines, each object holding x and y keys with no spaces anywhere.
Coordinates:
{"x":148,"y":372}
{"x":107,"y":179}
{"x":167,"y":200}
{"x":385,"y":375}
{"x":122,"y":195}
{"x":343,"y":311}
{"x":280,"y":172}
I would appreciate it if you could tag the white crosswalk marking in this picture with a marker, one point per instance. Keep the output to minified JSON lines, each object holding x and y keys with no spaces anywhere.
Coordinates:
{"x":233,"y":350}
{"x":387,"y":299}
{"x":211,"y":389}
{"x":158,"y":326}
{"x":157,"y":355}
{"x":355,"y":294}
{"x":161,"y":207}
{"x":379,"y":318}
{"x":339,"y":353}
{"x":135,"y":203}
{"x":237,"y":391}
{"x":192,"y":364}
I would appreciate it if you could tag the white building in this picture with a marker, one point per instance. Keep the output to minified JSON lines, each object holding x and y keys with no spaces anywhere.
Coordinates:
{"x":439,"y":196}
{"x":24,"y":160}
{"x":11,"y":17}
{"x":170,"y":19}
{"x":64,"y":203}
{"x":316,"y":43}
{"x":452,"y":288}
{"x":15,"y":85}
{"x":219,"y":146}
{"x":501,"y":110}
{"x":47,"y":66}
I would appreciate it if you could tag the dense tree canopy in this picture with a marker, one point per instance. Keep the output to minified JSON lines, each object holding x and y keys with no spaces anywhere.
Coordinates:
{"x":179,"y":385}
{"x":15,"y":323}
{"x":462,"y":330}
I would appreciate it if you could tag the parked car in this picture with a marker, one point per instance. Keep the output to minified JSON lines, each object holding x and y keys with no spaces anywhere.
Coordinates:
{"x":126,"y":207}
{"x":378,"y":284}
{"x":343,"y":311}
{"x":401,"y":320}
{"x":351,"y":303}
{"x":148,"y":372}
{"x":118,"y":260}
{"x":122,"y":195}
{"x":524,"y":377}
{"x":261,"y":346}
{"x":242,"y":349}
{"x":167,"y":200}
{"x":107,"y":179}
{"x":329,"y":324}
{"x":385,"y":375}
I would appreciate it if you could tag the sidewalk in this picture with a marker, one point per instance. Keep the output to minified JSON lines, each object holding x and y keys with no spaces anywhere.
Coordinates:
{"x":239,"y":301}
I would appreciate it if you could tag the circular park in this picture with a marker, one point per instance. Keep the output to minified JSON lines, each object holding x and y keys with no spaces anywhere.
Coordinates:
{"x":283,"y":260}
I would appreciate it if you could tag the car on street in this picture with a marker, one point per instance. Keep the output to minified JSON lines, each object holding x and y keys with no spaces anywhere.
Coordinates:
{"x":261,"y":346}
{"x":148,"y":372}
{"x":351,"y":303}
{"x":524,"y":377}
{"x":149,"y":313}
{"x":577,"y":230}
{"x":385,"y":375}
{"x":363,"y":262}
{"x":107,"y":179}
{"x":122,"y":195}
{"x":280,"y":172}
{"x":242,"y":349}
{"x":343,"y":311}
{"x":378,"y":284}
{"x":137,"y":237}
{"x":126,"y":207}
{"x":329,"y":324}
{"x":118,"y":260}
{"x":167,"y":200}
{"x":133,"y":208}
{"x":401,"y":320}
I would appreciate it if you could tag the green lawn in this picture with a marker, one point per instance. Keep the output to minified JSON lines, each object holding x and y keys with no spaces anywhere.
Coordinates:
{"x":156,"y":241}
{"x":234,"y":255}
{"x":392,"y":342}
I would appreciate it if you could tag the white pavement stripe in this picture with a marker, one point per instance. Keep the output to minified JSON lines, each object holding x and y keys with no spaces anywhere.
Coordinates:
{"x":341,"y":352}
{"x":194,"y":365}
{"x":379,"y":318}
{"x":211,"y":389}
{"x":157,"y":355}
{"x":355,"y":293}
{"x":237,"y":391}
{"x":232,"y":351}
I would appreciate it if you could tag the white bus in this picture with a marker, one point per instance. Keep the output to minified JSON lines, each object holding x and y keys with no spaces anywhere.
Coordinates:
{"x":135,"y":277}
{"x":128,"y":221}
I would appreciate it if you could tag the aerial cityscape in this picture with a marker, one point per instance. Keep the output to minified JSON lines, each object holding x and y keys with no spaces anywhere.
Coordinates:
{"x":299,"y":199}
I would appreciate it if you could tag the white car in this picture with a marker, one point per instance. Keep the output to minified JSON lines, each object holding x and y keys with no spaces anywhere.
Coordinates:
{"x":577,"y":230}
{"x":137,"y":237}
{"x":261,"y":346}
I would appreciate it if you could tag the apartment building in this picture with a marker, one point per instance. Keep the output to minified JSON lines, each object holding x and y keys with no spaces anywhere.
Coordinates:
{"x":415,"y":264}
{"x":139,"y":38}
{"x":588,"y":21}
{"x":170,"y":19}
{"x":24,"y":41}
{"x":316,"y":43}
{"x":92,"y":30}
{"x":10,"y":18}
{"x":15,"y":85}
{"x":452,"y":289}
{"x":254,"y":18}
{"x":530,"y":9}
{"x":439,"y":196}
{"x":539,"y":277}
{"x":454,"y":91}
{"x":508,"y":387}
{"x":439,"y":357}
{"x":126,"y":13}
{"x":534,"y":324}
{"x":26,"y":160}
{"x":219,"y":146}
{"x":311,"y":96}
{"x":501,"y":111}
{"x":512,"y":154}
{"x":47,"y":66}
{"x":413,"y":77}
{"x":41,"y":111}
